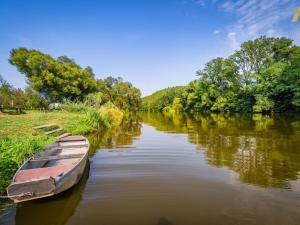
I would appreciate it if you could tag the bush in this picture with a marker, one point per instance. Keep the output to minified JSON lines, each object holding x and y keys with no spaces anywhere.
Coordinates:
{"x":112,"y":114}
{"x":97,"y":120}
{"x":70,"y":106}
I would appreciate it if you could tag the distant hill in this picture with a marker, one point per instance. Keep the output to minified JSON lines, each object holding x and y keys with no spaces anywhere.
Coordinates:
{"x":162,"y":98}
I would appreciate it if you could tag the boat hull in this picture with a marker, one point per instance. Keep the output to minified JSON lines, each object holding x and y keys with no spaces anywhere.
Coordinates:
{"x":47,"y":186}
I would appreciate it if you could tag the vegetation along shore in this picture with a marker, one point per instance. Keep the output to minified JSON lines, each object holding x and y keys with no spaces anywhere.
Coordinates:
{"x":61,"y":93}
{"x":262,"y":76}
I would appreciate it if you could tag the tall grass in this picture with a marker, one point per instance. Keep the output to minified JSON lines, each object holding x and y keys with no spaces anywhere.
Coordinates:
{"x":113,"y":115}
{"x":106,"y":117}
{"x":97,"y":120}
{"x":14,"y":151}
{"x":78,"y":107}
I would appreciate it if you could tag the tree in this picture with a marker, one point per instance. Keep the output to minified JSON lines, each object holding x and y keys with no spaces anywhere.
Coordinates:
{"x":5,"y":93}
{"x":55,"y":79}
{"x":122,"y":94}
{"x":34,"y":99}
{"x":11,"y":97}
{"x":218,"y":85}
{"x":263,"y":76}
{"x":18,"y":99}
{"x":162,"y":98}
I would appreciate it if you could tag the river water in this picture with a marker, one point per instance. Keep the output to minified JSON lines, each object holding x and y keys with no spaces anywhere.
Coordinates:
{"x":182,"y":170}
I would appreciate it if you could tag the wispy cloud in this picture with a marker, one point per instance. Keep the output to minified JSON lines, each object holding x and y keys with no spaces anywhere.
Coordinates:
{"x":203,"y":3}
{"x":233,"y":42}
{"x":257,"y":17}
{"x":216,"y":31}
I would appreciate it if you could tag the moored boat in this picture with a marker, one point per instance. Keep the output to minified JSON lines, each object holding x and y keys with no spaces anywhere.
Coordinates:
{"x":53,"y":171}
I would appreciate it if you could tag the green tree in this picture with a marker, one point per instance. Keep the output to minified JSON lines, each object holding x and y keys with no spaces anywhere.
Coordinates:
{"x":122,"y":94}
{"x":218,"y":85}
{"x":5,"y":93}
{"x":262,"y":76}
{"x":34,"y":99}
{"x":56,"y":79}
{"x":162,"y":98}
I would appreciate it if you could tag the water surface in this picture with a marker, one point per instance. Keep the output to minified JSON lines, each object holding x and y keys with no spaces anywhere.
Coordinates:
{"x":182,"y":170}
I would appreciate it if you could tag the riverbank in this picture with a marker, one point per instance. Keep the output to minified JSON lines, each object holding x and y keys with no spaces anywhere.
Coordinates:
{"x":18,"y":139}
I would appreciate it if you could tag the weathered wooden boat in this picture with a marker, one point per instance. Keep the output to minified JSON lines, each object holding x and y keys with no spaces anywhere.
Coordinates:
{"x":53,"y":171}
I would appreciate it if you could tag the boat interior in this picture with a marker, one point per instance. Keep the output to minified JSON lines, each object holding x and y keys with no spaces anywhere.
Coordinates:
{"x":57,"y":159}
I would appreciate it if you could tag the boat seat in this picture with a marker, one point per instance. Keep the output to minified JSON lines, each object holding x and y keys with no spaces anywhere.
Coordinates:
{"x":57,"y":157}
{"x":30,"y":174}
{"x":72,"y":138}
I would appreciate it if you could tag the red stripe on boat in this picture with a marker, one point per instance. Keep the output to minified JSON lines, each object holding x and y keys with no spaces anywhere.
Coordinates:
{"x":30,"y":174}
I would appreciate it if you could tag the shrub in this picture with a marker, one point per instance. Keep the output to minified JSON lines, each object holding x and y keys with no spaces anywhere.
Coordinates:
{"x":70,"y":106}
{"x":112,"y":113}
{"x":97,"y":120}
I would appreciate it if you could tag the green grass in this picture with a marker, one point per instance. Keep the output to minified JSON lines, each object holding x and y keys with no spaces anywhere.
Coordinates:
{"x":18,"y":139}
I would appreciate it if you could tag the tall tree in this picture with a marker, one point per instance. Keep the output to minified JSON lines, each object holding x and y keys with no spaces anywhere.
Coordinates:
{"x":123,"y":94}
{"x":56,"y":79}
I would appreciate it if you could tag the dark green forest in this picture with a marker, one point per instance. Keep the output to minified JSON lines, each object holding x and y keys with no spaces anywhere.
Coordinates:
{"x":262,"y":76}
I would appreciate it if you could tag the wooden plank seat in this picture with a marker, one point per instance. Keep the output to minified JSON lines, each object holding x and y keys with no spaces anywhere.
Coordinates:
{"x":31,"y":174}
{"x":57,"y":157}
{"x":68,"y":147}
{"x":53,"y":131}
{"x":63,"y":136}
{"x":72,"y":138}
{"x":44,"y":126}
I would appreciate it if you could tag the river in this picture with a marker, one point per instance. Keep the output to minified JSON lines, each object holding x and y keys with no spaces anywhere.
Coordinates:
{"x":181,"y":170}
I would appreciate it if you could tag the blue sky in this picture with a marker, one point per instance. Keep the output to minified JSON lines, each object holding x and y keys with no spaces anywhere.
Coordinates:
{"x":153,"y":44}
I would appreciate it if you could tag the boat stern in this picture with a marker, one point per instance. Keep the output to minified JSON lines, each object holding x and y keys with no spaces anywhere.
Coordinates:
{"x":33,"y":189}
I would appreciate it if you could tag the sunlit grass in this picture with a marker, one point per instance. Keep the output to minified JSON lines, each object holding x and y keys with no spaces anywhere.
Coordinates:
{"x":18,"y":139}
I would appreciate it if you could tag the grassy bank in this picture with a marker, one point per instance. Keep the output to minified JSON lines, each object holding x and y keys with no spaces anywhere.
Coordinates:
{"x":18,"y":140}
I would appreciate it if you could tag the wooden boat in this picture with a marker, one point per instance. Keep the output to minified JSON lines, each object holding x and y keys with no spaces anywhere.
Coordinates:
{"x":53,"y":171}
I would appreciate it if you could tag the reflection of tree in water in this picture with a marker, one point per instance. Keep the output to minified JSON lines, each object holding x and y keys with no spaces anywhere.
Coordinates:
{"x":170,"y":123}
{"x":122,"y":135}
{"x":263,"y":150}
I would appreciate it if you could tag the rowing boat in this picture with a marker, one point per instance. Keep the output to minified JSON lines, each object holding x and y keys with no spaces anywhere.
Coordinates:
{"x":53,"y":171}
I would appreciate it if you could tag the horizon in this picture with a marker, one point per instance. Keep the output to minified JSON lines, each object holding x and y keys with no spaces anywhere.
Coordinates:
{"x":142,"y":42}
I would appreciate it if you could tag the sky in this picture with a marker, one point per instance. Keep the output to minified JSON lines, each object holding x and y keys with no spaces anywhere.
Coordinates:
{"x":153,"y":44}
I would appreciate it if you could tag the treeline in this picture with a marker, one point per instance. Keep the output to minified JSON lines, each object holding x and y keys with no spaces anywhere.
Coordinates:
{"x":262,"y":76}
{"x":11,"y":97}
{"x":162,"y":98}
{"x":60,"y":80}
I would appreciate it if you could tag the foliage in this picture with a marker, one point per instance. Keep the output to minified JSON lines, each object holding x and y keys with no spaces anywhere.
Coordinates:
{"x":94,"y":100}
{"x":11,"y":97}
{"x":162,"y":98}
{"x":122,"y":94}
{"x":176,"y":107}
{"x":56,"y":79}
{"x":34,"y":99}
{"x":262,"y":76}
{"x":74,"y":106}
{"x":113,"y":115}
{"x":97,"y":120}
{"x":61,"y":79}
